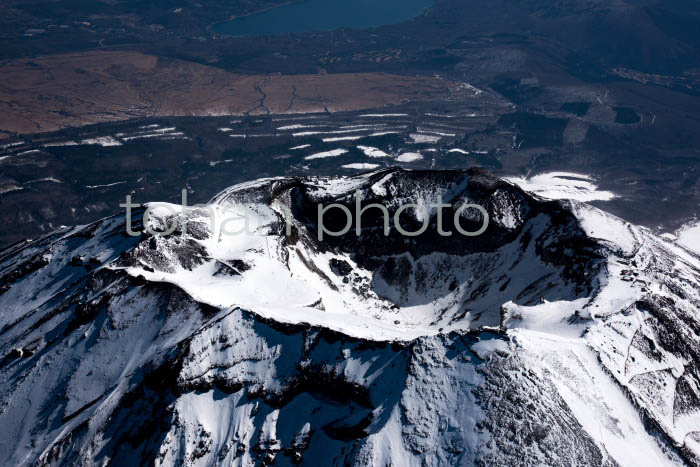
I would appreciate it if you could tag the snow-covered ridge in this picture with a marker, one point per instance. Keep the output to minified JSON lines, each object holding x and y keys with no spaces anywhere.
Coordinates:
{"x":563,"y":332}
{"x":374,"y":292}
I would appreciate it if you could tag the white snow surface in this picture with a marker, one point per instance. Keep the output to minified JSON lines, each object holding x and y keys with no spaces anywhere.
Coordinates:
{"x":102,"y":141}
{"x":410,"y":157}
{"x":341,"y":138}
{"x":324,"y":154}
{"x":689,"y":237}
{"x":563,"y":185}
{"x":360,"y":166}
{"x":370,"y":151}
{"x":389,"y":115}
{"x":424,"y":138}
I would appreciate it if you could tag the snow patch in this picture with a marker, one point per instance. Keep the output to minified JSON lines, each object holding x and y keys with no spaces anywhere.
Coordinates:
{"x":323,"y":155}
{"x":410,"y":157}
{"x":383,"y":115}
{"x":342,"y":138}
{"x":360,"y":166}
{"x":297,"y":126}
{"x":563,"y":185}
{"x":104,"y":141}
{"x":689,"y":237}
{"x":420,"y":138}
{"x":369,"y":151}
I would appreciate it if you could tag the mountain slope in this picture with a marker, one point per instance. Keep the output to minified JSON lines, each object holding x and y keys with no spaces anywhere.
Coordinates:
{"x":559,"y":333}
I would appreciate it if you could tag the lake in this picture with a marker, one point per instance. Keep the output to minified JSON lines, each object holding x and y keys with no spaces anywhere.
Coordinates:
{"x":323,"y":15}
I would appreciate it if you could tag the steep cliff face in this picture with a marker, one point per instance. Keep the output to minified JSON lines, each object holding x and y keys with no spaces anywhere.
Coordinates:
{"x":240,"y":338}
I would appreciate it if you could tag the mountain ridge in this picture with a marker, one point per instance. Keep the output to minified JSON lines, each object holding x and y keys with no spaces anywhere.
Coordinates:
{"x":435,"y":359}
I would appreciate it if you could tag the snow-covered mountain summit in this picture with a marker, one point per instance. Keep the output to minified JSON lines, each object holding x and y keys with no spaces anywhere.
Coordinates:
{"x":560,"y":334}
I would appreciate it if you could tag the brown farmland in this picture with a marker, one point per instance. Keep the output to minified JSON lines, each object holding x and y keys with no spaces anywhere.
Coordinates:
{"x":53,"y":92}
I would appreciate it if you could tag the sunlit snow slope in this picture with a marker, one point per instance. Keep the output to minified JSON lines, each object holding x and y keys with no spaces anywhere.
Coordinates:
{"x":561,"y":334}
